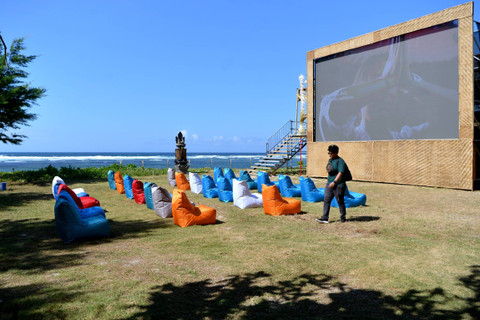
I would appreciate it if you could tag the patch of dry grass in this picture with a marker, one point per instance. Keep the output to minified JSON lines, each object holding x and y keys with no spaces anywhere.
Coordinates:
{"x":412,"y":252}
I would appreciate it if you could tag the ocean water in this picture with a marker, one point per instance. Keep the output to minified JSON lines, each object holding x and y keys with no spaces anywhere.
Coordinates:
{"x":35,"y":160}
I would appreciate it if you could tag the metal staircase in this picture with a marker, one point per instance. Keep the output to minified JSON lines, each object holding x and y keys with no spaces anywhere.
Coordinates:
{"x":281,"y":148}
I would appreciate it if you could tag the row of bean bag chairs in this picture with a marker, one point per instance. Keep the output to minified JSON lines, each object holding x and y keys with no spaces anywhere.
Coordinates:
{"x":79,"y":195}
{"x":186,"y":214}
{"x":74,"y":223}
{"x":155,"y":197}
{"x":57,"y":181}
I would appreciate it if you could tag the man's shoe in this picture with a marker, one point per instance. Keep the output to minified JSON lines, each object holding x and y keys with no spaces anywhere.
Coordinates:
{"x":343,"y":220}
{"x":322,"y":220}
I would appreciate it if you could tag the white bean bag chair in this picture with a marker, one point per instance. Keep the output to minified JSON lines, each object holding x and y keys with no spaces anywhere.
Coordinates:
{"x":195,"y":183}
{"x":162,"y":202}
{"x":243,"y":198}
{"x":171,"y":177}
{"x":56,"y":182}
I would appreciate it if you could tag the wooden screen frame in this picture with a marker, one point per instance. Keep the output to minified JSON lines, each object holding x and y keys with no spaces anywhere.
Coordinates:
{"x":439,"y":163}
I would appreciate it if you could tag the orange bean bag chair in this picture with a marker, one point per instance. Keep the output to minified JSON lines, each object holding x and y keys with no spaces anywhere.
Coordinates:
{"x":119,"y":182}
{"x":274,"y":204}
{"x":182,"y":182}
{"x":185,"y":214}
{"x":138,"y":193}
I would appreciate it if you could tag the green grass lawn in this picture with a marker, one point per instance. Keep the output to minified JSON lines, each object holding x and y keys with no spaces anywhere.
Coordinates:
{"x":411,"y":253}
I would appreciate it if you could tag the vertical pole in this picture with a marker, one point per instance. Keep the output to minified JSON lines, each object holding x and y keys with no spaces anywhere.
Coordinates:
{"x":167,"y":163}
{"x":301,"y":162}
{"x":143,"y":163}
{"x":230,"y":163}
{"x":211,"y":163}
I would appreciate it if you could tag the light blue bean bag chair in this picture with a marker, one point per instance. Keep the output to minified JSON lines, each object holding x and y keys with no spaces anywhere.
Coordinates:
{"x":209,"y":188}
{"x":230,"y":175}
{"x":70,"y":224}
{"x":217,"y":173}
{"x":263,"y":178}
{"x":111,"y":179}
{"x":147,"y":190}
{"x":310,"y":193}
{"x":245,"y":176}
{"x":127,"y":183}
{"x":352,"y":199}
{"x":287,"y":188}
{"x":225,"y":192}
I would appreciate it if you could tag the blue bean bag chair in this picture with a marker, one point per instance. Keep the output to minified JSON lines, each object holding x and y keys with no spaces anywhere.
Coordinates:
{"x":217,"y":173}
{"x":111,"y":179}
{"x":225,"y":193}
{"x":147,"y":190}
{"x":209,"y":188}
{"x":310,"y":193}
{"x":352,"y":199}
{"x":127,"y":183}
{"x":230,"y":175}
{"x":245,"y":176}
{"x":72,"y":226}
{"x":287,"y":188}
{"x":263,"y":178}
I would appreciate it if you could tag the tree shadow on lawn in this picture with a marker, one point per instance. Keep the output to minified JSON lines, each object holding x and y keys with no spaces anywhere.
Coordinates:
{"x":34,"y":246}
{"x":256,"y":296}
{"x":27,"y":301}
{"x":8,"y":200}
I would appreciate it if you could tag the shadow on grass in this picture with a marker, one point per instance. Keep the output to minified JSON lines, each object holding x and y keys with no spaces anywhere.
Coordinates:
{"x":34,"y":245}
{"x":363,"y":219}
{"x":256,"y":296}
{"x":8,"y":200}
{"x":37,"y":301}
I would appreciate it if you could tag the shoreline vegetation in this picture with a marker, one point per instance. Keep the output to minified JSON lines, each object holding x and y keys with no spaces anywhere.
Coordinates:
{"x":99,"y":173}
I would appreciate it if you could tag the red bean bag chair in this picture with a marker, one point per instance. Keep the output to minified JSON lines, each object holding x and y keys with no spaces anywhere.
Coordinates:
{"x":138,"y":194}
{"x":82,"y":202}
{"x":185,"y":214}
{"x":182,"y":182}
{"x":274,"y":204}
{"x":119,"y":182}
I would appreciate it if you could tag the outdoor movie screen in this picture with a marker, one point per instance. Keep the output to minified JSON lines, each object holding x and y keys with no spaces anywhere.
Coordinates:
{"x":401,"y":88}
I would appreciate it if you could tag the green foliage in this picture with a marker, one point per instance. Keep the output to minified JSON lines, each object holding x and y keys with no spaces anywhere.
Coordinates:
{"x":75,"y":174}
{"x":16,"y":96}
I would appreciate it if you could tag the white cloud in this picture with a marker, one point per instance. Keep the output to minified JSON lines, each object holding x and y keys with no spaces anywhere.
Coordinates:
{"x":194,"y":137}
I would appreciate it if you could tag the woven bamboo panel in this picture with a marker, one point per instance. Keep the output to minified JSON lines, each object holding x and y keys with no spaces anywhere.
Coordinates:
{"x":458,"y":12}
{"x":465,"y":63}
{"x":439,"y":163}
{"x":436,"y":163}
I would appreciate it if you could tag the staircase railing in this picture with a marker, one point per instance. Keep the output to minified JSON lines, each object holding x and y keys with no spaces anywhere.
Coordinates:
{"x":287,"y":129}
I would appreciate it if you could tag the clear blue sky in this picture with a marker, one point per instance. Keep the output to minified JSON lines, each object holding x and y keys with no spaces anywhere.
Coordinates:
{"x":126,"y":76}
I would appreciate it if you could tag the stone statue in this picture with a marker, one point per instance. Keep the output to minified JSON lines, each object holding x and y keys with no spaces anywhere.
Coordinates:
{"x":181,"y":162}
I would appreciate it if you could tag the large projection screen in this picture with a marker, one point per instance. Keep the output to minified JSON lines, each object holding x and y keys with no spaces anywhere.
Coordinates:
{"x":405,"y":87}
{"x":398,"y":102}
